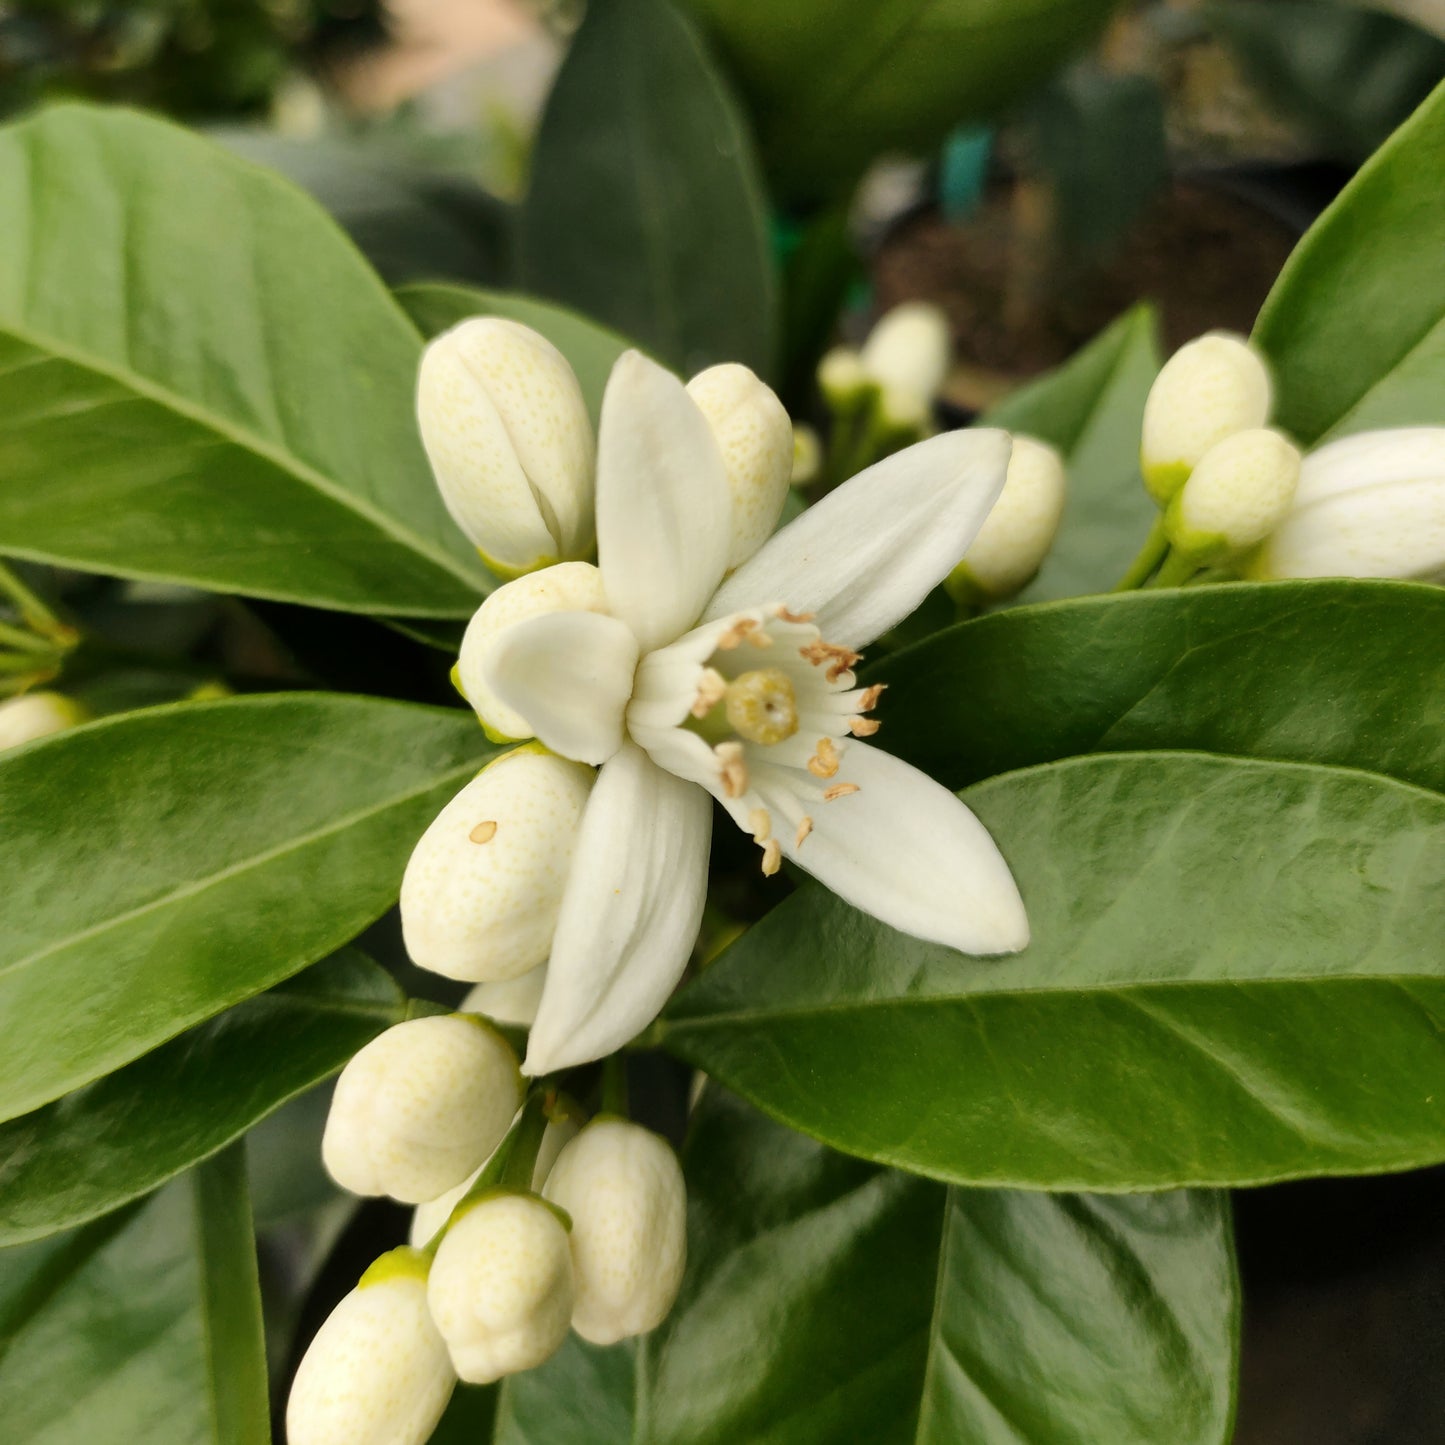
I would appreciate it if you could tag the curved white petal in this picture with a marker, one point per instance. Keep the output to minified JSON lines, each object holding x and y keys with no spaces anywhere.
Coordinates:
{"x":664,"y":513}
{"x":1371,"y":458}
{"x":866,"y":555}
{"x":629,"y":916}
{"x":570,"y":675}
{"x":907,"y":851}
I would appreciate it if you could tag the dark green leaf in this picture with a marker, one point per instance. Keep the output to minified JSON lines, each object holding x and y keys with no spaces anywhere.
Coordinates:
{"x":830,"y":1300}
{"x":1355,"y":325}
{"x":164,"y":865}
{"x":191,"y":351}
{"x":130,"y":1132}
{"x":1316,"y":672}
{"x":645,"y":209}
{"x":1235,"y":977}
{"x":1091,"y":409}
{"x":590,"y":348}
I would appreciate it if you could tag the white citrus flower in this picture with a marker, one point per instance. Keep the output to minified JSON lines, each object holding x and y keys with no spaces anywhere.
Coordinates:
{"x":741,"y":688}
{"x":1240,"y":491}
{"x":1209,"y":389}
{"x":1369,"y":505}
{"x":507,"y":433}
{"x":508,"y":1000}
{"x":421,"y":1107}
{"x":501,"y":1286}
{"x":908,"y":354}
{"x":36,"y":715}
{"x":377,"y":1372}
{"x":623,"y":1187}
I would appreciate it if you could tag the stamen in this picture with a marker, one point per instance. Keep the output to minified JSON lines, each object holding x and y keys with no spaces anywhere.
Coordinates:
{"x":839,"y":790}
{"x":761,"y":824}
{"x":772,"y":857}
{"x":734,"y":769}
{"x":839,"y":659}
{"x":824,"y":762}
{"x":804,"y":828}
{"x":711,"y":687}
{"x":863,"y":727}
{"x":870,"y":697}
{"x":483,"y":832}
{"x":740,"y":629}
{"x":783,"y":615}
{"x":762,"y":706}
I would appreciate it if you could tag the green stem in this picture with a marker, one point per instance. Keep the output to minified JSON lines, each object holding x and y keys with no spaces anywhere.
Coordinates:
{"x":1151,"y":554}
{"x":23,"y":641}
{"x":524,"y":1142}
{"x":614,"y":1086}
{"x":1175,"y":571}
{"x":32,"y":609}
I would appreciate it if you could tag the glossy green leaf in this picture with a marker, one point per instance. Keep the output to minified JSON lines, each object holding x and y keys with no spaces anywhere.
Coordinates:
{"x":191,"y":351}
{"x":104,"y":1336}
{"x":1235,"y":976}
{"x":1316,"y":672}
{"x":230,"y":1299}
{"x":591,"y":349}
{"x":832,"y":84}
{"x":128,"y":1133}
{"x":645,"y":209}
{"x":164,"y":865}
{"x":827,"y":1299}
{"x":1091,"y":409}
{"x":1355,"y":325}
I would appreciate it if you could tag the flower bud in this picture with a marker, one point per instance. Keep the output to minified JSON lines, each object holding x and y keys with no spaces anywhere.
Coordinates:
{"x":509,"y":1000}
{"x":842,"y":380}
{"x":1369,"y":505}
{"x":421,"y":1107}
{"x":1239,"y":492}
{"x":1019,"y":530}
{"x":909,"y":352}
{"x":755,"y":436}
{"x":483,"y":887}
{"x":807,"y":456}
{"x":568,"y":587}
{"x":510,"y":442}
{"x":377,"y":1372}
{"x":623,"y":1187}
{"x":36,"y":715}
{"x":1209,"y":389}
{"x":501,"y":1286}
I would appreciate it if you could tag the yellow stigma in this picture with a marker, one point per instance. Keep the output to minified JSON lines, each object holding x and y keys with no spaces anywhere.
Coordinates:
{"x":761,"y":706}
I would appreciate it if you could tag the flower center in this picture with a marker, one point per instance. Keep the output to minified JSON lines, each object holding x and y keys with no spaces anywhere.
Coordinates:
{"x":762,"y":706}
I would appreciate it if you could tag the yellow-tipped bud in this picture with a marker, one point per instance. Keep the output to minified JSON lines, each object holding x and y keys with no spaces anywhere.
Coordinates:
{"x":1237,"y":495}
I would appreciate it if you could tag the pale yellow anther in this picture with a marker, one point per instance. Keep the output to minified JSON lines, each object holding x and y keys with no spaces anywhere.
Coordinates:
{"x":483,"y":832}
{"x":870,"y":697}
{"x":761,"y":706}
{"x":804,"y":828}
{"x":783,"y":615}
{"x":761,"y":824}
{"x":824,"y":762}
{"x":734,"y":769}
{"x":863,"y":727}
{"x":711,"y":688}
{"x":839,"y":790}
{"x":838,"y":659}
{"x":736,"y":634}
{"x":772,"y":857}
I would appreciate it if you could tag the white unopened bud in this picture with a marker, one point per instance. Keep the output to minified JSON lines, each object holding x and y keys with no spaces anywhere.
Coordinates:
{"x":567,"y":587}
{"x":842,"y":380}
{"x":1208,"y":390}
{"x":509,"y":1000}
{"x":755,"y":437}
{"x":36,"y":715}
{"x":624,"y":1189}
{"x":1019,"y":530}
{"x":1369,"y":505}
{"x":909,"y":352}
{"x":510,"y":442}
{"x":483,"y":887}
{"x":377,"y":1372}
{"x":501,"y":1286}
{"x":421,"y":1107}
{"x":1239,"y":492}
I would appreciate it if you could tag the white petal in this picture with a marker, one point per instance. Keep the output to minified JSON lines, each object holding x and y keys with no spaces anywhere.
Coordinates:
{"x":755,"y":437}
{"x":1372,"y":458}
{"x":483,"y":887}
{"x":508,"y":1000}
{"x":907,"y":851}
{"x":1395,"y":530}
{"x":663,"y":508}
{"x":630,"y":915}
{"x":567,"y":587}
{"x":570,"y":675}
{"x":866,"y":555}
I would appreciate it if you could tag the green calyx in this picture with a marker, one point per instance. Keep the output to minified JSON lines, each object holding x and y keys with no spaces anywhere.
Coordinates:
{"x":403,"y":1262}
{"x":1164,"y":480}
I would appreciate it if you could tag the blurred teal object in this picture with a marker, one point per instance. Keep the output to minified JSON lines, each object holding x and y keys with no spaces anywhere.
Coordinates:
{"x":963,"y":171}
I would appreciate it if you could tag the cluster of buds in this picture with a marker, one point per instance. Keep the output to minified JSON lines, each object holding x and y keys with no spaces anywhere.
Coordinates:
{"x":528,"y":1223}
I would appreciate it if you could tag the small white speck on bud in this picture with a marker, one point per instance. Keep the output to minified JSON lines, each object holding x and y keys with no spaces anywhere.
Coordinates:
{"x":377,"y":1371}
{"x":36,"y":715}
{"x":501,"y":1286}
{"x":421,"y":1107}
{"x":908,"y":353}
{"x":506,"y":430}
{"x":1019,"y":530}
{"x":624,"y":1189}
{"x":1236,"y":496}
{"x":1214,"y":386}
{"x":755,"y":436}
{"x":482,"y":890}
